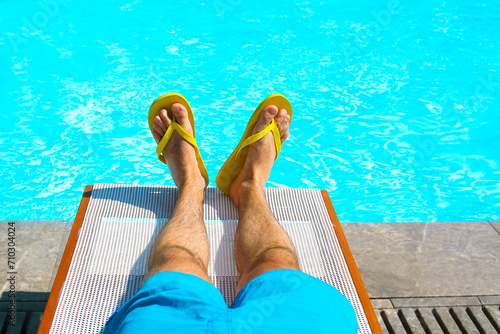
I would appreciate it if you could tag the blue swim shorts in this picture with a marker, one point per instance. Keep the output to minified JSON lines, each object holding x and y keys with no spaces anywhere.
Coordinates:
{"x":279,"y":301}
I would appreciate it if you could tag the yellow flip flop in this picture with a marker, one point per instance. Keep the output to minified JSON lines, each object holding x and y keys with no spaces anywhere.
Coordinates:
{"x":165,"y":102}
{"x":236,"y":160}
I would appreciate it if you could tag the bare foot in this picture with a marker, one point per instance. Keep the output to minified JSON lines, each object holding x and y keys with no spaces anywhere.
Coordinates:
{"x":261,"y":154}
{"x":179,"y":154}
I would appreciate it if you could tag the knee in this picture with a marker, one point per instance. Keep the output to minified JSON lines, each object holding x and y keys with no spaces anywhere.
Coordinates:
{"x":280,"y":256}
{"x":177,"y":254}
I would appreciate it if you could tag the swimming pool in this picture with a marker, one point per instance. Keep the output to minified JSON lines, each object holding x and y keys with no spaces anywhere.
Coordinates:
{"x":395,"y":102}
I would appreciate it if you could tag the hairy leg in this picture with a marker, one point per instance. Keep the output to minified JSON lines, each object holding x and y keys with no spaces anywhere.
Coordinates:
{"x":182,"y":244}
{"x":261,"y":244}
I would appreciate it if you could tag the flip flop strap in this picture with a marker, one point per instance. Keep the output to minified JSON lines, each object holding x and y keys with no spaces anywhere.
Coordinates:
{"x":184,"y":134}
{"x":259,"y":135}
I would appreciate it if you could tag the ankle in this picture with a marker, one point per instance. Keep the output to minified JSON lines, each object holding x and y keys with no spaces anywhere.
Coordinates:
{"x":196,"y":184}
{"x":250,"y":186}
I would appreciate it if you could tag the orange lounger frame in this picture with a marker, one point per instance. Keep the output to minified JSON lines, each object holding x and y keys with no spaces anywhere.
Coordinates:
{"x":50,"y":309}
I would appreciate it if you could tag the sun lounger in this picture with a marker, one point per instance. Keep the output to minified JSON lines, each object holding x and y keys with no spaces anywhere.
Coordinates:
{"x":107,"y":250}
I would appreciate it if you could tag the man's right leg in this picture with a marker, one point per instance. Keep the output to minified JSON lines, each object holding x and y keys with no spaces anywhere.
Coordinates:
{"x":182,"y":244}
{"x":169,"y":301}
{"x":261,"y":244}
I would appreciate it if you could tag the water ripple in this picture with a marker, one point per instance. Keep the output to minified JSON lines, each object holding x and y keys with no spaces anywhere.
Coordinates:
{"x":397,"y":123}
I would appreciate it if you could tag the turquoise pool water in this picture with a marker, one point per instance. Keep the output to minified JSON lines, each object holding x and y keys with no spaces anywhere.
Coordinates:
{"x":396,"y":103}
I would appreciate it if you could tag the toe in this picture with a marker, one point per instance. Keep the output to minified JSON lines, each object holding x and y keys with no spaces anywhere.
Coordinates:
{"x":280,"y":118}
{"x":157,"y":135}
{"x":282,"y":121}
{"x":159,"y":124}
{"x":164,"y":117}
{"x":181,"y":116}
{"x":269,"y":112}
{"x":266,"y":117}
{"x":284,"y":133}
{"x":159,"y":130}
{"x":283,"y":114}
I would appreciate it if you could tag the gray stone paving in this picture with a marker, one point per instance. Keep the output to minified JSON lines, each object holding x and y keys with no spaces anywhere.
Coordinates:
{"x":39,"y":248}
{"x":421,"y":277}
{"x":495,"y":225}
{"x":430,"y":277}
{"x":437,"y":315}
{"x":426,"y":259}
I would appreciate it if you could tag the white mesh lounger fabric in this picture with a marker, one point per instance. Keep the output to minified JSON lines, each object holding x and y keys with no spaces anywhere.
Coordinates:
{"x":106,"y":255}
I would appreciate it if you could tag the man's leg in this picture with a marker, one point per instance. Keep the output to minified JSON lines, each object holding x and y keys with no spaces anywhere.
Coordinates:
{"x":182,"y":244}
{"x":261,"y":244}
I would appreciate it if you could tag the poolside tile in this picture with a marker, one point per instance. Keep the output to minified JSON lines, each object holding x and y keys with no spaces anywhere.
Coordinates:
{"x":495,"y":225}
{"x":490,"y":300}
{"x":38,"y":245}
{"x":435,"y":302}
{"x":381,"y":303}
{"x":426,"y":259}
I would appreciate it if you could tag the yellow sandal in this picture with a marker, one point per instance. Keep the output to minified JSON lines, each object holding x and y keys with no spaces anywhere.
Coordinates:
{"x":236,"y":160}
{"x":165,"y":102}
